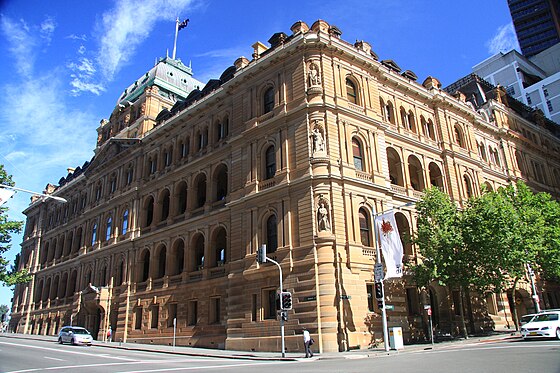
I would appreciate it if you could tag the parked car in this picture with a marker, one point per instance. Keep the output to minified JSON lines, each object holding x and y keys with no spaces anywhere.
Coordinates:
{"x":545,"y":324}
{"x":75,"y":335}
{"x":526,"y":318}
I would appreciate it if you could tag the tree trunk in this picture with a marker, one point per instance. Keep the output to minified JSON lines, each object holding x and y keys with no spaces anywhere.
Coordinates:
{"x":514,"y":308}
{"x":462,"y":313}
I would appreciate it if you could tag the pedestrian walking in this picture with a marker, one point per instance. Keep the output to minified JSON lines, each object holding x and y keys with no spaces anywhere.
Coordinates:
{"x":307,"y":342}
{"x":109,"y":335}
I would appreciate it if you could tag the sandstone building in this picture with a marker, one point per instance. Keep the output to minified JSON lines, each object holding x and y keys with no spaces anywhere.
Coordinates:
{"x":188,"y":181}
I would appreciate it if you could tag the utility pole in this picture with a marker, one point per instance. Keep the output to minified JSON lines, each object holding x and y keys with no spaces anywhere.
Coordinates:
{"x":379,"y":276}
{"x":262,"y":258}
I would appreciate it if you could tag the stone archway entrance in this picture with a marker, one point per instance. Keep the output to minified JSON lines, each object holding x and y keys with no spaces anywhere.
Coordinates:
{"x":92,"y":313}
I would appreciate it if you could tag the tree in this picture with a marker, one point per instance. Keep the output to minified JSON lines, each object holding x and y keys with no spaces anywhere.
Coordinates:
{"x":440,"y":244}
{"x":7,"y":228}
{"x":508,"y":230}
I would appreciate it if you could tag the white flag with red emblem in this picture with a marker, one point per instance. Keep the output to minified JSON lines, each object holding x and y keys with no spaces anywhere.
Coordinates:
{"x":5,"y":195}
{"x":390,"y":242}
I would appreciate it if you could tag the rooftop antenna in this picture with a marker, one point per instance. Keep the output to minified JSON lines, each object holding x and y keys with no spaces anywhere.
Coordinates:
{"x":178,"y":27}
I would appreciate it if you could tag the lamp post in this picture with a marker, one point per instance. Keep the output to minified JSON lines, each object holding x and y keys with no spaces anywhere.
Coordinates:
{"x":59,"y":199}
{"x":379,"y":272}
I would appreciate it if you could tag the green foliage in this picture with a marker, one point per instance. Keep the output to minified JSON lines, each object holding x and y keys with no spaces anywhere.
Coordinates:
{"x":7,"y":228}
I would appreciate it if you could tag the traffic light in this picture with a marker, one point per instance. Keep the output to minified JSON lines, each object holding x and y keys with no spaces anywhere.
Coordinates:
{"x":286,"y":297}
{"x":379,"y":294}
{"x":261,"y":254}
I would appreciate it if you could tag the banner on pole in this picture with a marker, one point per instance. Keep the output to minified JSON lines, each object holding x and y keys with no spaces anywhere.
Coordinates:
{"x":5,"y":195}
{"x":390,"y":243}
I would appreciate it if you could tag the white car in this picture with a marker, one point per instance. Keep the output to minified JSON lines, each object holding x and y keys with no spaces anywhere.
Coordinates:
{"x":545,"y":324}
{"x":75,"y":335}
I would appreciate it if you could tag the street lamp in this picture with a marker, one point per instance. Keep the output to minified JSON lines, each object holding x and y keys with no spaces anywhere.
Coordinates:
{"x":378,"y":272}
{"x":59,"y":199}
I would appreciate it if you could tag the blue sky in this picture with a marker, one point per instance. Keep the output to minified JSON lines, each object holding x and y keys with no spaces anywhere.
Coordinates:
{"x":66,"y":62}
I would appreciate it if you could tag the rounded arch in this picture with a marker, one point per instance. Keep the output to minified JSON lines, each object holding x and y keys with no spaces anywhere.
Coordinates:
{"x":164,"y":201}
{"x":269,"y":160}
{"x":72,"y":284}
{"x":416,"y":173}
{"x":467,"y":183}
{"x":54,"y":288}
{"x":411,"y":119}
{"x":181,"y":197}
{"x":358,"y":150}
{"x":268,"y":98}
{"x":144,"y":265}
{"x":39,"y":291}
{"x":366,"y":227}
{"x":46,"y":290}
{"x":270,"y":231}
{"x":148,"y":210}
{"x":119,"y":270}
{"x":63,"y":286}
{"x":404,"y":232}
{"x":436,"y":177}
{"x":198,"y":244}
{"x":199,"y":190}
{"x":459,"y":134}
{"x":161,"y":261}
{"x":395,"y":169}
{"x":219,"y":247}
{"x":352,"y":90}
{"x":220,"y":182}
{"x":178,"y":257}
{"x":486,"y":187}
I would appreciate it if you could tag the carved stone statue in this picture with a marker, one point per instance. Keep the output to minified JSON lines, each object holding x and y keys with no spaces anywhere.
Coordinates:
{"x":318,"y":140}
{"x":323,"y":218}
{"x":314,"y":78}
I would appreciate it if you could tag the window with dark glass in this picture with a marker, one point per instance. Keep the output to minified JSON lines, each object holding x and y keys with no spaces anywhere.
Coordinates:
{"x":357,"y":154}
{"x":271,"y":234}
{"x":94,"y":234}
{"x":351,"y":93}
{"x":270,"y":162}
{"x":268,"y":100}
{"x":125,"y":222}
{"x":364,"y":227}
{"x":109,"y":228}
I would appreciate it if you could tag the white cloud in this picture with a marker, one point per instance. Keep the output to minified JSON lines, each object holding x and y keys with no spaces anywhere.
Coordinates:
{"x":47,"y":29}
{"x":122,"y":31}
{"x":504,"y":40}
{"x":77,"y":37}
{"x":21,"y":44}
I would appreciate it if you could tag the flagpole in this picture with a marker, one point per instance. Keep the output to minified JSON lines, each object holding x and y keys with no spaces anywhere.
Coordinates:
{"x":176,"y":33}
{"x":60,"y":199}
{"x":378,"y":262}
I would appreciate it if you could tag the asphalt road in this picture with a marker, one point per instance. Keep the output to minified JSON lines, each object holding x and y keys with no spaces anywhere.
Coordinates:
{"x":18,"y":355}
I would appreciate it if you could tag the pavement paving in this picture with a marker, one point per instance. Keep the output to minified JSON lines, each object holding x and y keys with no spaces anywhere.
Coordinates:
{"x":289,"y":356}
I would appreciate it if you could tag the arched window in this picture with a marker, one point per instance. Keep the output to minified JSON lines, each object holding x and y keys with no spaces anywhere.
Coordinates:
{"x":200,"y":191}
{"x":268,"y":100}
{"x":149,"y":211}
{"x":436,"y":178}
{"x":220,"y":247}
{"x":164,"y":201}
{"x":404,"y":232}
{"x":162,"y":257}
{"x":125,"y":222}
{"x":459,"y":136}
{"x":94,"y":234}
{"x":129,"y":175}
{"x":351,"y":91}
{"x":365,"y":227}
{"x":395,"y":169}
{"x":167,"y":157}
{"x":119,"y":278}
{"x":357,"y":154}
{"x":271,"y":234}
{"x":178,"y":257}
{"x":109,"y":228}
{"x":416,"y":173}
{"x":221,"y":182}
{"x":270,"y":165}
{"x":481,"y":150}
{"x":199,"y":252}
{"x":411,"y":121}
{"x":145,"y":266}
{"x":181,"y":198}
{"x":468,"y":186}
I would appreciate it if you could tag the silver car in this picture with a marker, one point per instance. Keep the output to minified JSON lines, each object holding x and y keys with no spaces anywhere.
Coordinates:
{"x":75,"y":335}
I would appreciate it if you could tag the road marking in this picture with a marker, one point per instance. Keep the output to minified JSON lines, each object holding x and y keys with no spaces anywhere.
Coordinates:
{"x":52,"y":358}
{"x":206,"y":367}
{"x":62,"y":350}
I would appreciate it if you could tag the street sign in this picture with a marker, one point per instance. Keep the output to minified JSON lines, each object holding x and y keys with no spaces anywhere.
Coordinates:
{"x":378,"y":272}
{"x":389,"y":307}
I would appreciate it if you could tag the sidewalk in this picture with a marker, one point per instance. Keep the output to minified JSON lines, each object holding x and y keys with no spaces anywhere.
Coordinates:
{"x":289,"y":356}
